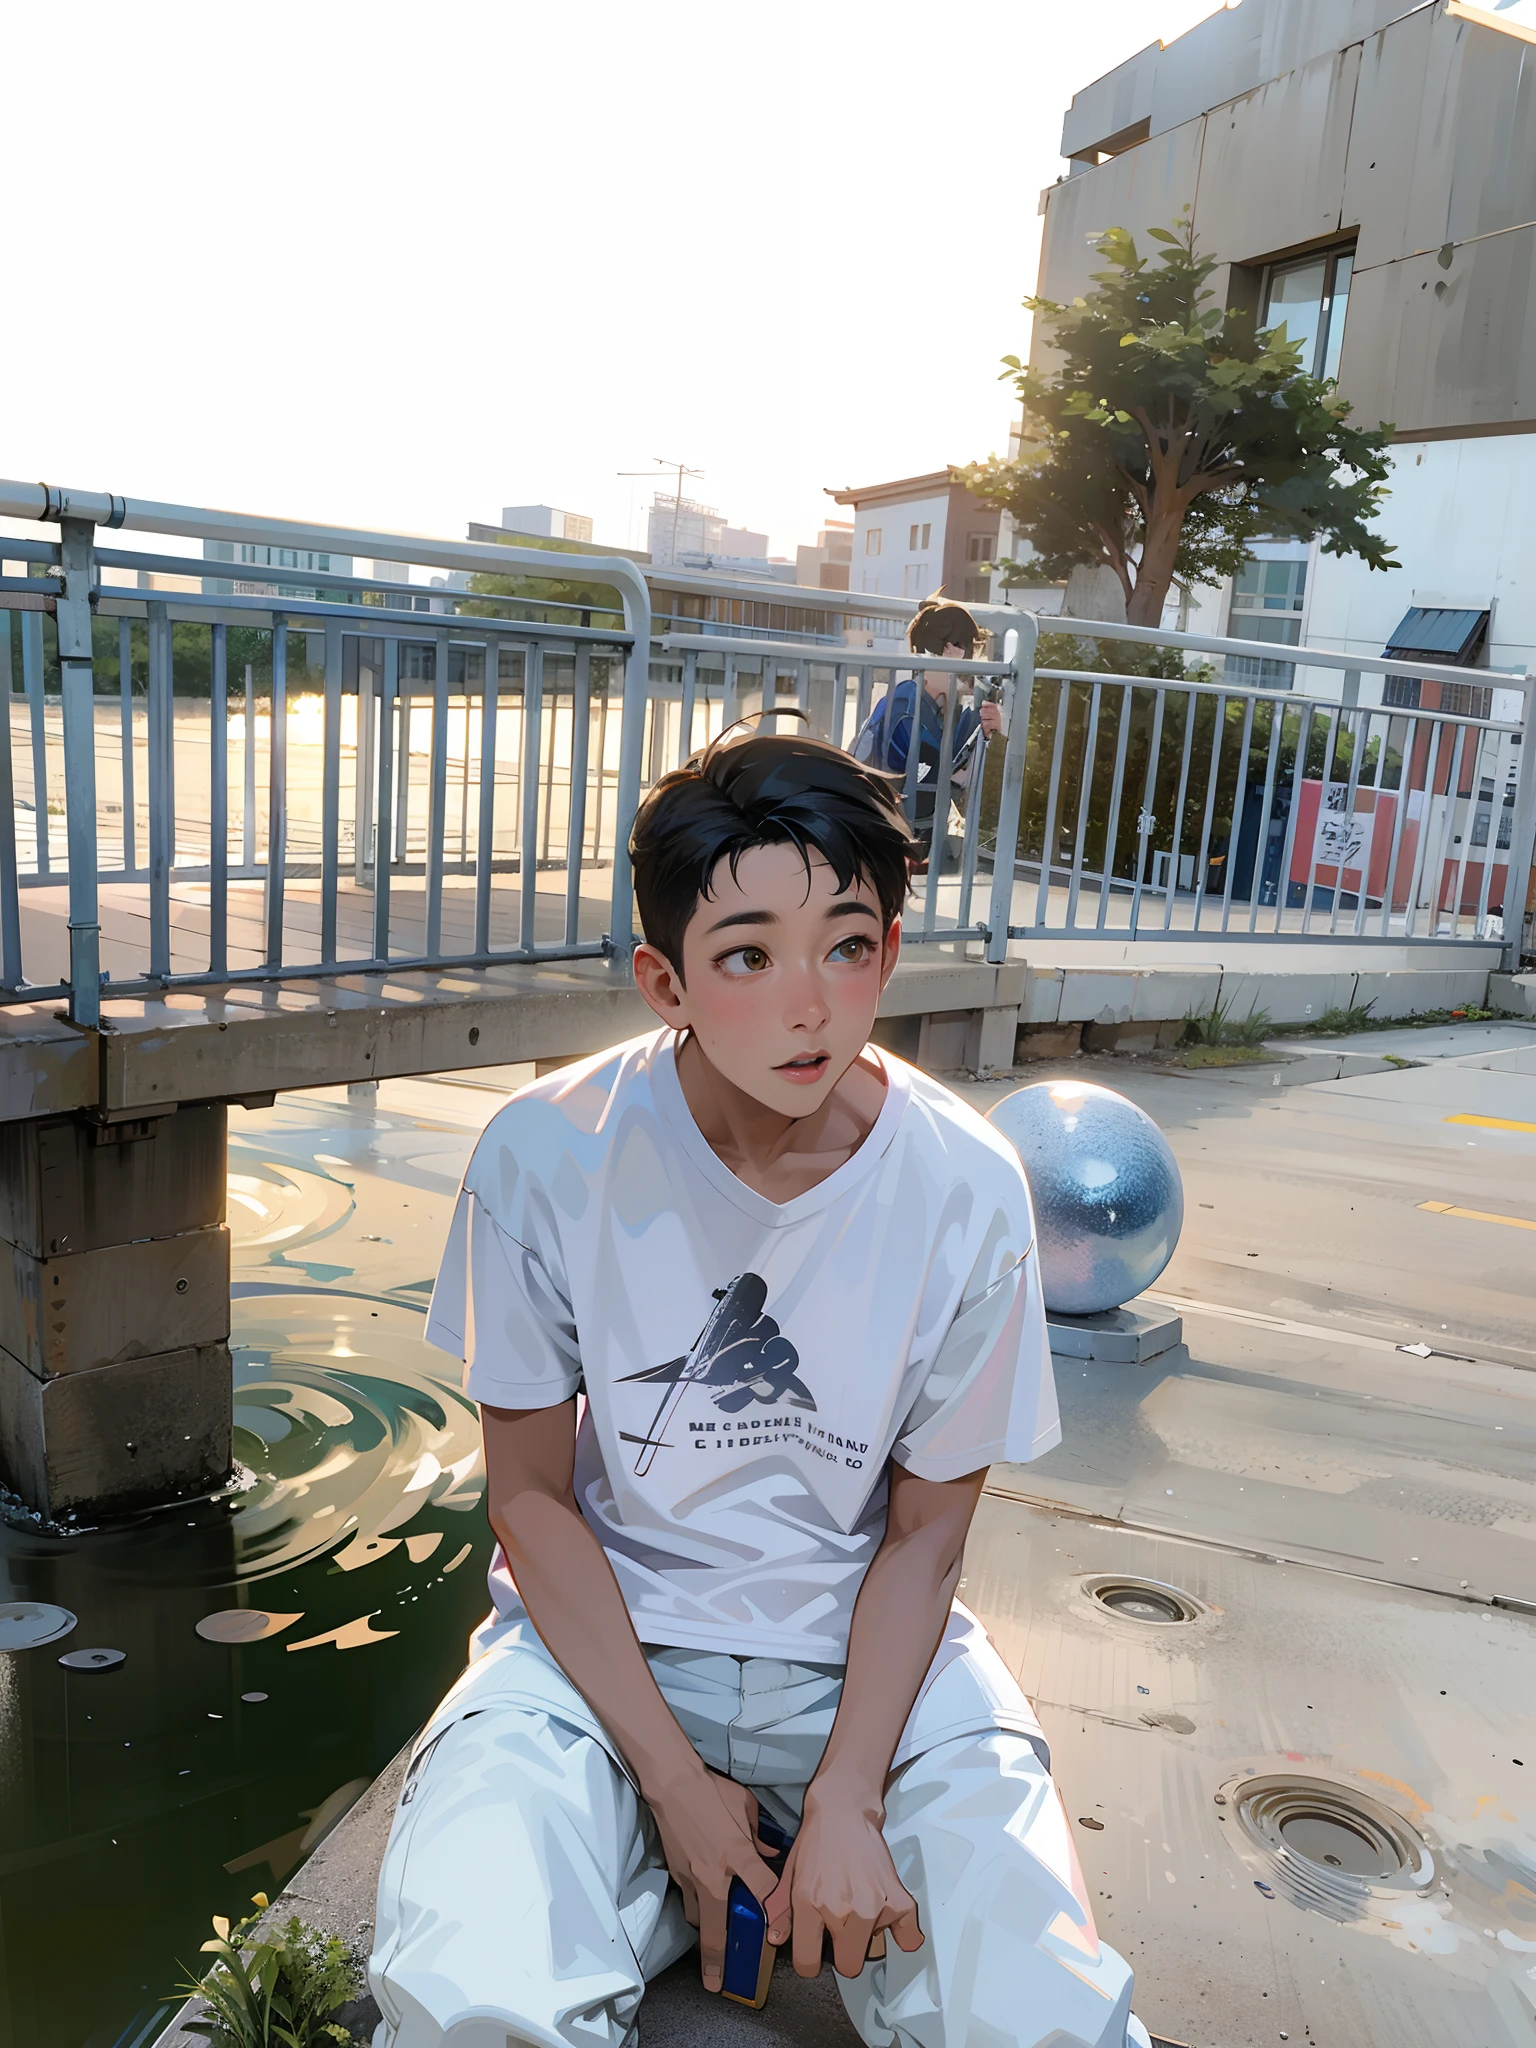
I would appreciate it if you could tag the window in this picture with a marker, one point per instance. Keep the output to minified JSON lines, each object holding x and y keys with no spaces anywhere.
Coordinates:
{"x":872,"y":540}
{"x":1311,"y":297}
{"x":978,"y":548}
{"x":914,"y":580}
{"x":1268,"y":598}
{"x":1457,"y":700}
{"x":918,"y":537}
{"x":977,"y":589}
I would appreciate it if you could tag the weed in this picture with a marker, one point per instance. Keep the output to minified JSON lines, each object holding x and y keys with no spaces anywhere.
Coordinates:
{"x":1217,"y":1026}
{"x":1336,"y":1023}
{"x":276,"y":1989}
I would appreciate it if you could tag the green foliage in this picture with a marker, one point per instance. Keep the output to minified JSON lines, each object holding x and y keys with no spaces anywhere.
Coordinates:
{"x":1170,"y":434}
{"x":1340,"y":1023}
{"x":1118,"y":657}
{"x":1218,"y":1027}
{"x":545,"y":597}
{"x":276,"y":1989}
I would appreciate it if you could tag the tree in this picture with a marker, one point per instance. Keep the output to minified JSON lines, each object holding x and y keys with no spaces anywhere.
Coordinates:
{"x":1171,"y":434}
{"x":542,"y":597}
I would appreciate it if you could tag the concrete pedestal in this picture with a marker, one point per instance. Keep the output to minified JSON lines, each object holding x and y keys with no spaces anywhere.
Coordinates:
{"x":115,"y":1385}
{"x":1123,"y":1336}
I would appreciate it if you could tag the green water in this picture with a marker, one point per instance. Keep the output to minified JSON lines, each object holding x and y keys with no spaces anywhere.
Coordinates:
{"x":138,"y":1801}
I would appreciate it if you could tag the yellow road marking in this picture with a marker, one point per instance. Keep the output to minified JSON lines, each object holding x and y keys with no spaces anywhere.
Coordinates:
{"x":1478,"y":1215}
{"x":1491,"y":1123}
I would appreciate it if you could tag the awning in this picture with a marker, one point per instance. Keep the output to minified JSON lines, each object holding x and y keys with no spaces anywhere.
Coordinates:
{"x":1436,"y":633}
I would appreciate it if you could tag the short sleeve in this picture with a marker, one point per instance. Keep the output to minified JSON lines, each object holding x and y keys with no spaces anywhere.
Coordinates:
{"x":990,"y":1395}
{"x":496,"y":1307}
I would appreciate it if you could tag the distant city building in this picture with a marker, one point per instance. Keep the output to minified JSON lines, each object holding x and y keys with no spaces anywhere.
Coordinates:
{"x":918,"y":535}
{"x":260,"y":571}
{"x":547,"y":522}
{"x":826,"y":566}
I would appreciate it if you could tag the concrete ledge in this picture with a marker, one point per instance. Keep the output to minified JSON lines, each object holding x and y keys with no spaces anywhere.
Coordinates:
{"x":334,"y":1892}
{"x":1515,"y":993}
{"x":248,"y":1042}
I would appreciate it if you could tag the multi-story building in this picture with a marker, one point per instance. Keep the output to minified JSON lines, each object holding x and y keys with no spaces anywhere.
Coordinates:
{"x":256,"y":570}
{"x":918,"y":535}
{"x":1364,"y":170}
{"x":546,"y":523}
{"x":826,"y":566}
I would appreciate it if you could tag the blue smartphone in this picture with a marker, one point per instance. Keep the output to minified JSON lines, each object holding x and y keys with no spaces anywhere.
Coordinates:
{"x":749,"y":1955}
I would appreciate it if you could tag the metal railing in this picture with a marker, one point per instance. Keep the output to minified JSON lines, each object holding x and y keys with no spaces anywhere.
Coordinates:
{"x":1170,"y":808}
{"x":262,"y":781}
{"x":833,"y":696}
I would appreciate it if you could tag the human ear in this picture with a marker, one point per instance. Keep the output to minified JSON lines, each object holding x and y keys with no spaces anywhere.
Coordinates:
{"x":890,"y":952}
{"x":661,"y":985}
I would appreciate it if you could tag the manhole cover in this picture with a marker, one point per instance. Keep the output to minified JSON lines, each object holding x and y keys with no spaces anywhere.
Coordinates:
{"x":27,"y":1624}
{"x":1144,"y":1600}
{"x":1331,"y":1844}
{"x":93,"y":1660}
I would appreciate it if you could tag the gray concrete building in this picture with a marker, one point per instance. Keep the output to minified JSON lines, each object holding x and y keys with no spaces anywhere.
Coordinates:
{"x":1366,"y":171}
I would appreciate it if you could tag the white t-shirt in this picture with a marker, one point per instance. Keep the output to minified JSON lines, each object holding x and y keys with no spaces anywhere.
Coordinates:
{"x":748,"y":1366}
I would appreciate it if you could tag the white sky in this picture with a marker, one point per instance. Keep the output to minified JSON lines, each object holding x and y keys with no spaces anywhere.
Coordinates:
{"x":398,"y":265}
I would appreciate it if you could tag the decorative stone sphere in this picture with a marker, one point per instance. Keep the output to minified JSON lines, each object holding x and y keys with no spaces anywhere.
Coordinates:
{"x":1109,"y":1203}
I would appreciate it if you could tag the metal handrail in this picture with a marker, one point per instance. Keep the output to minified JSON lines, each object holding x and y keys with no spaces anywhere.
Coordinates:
{"x":1090,"y":758}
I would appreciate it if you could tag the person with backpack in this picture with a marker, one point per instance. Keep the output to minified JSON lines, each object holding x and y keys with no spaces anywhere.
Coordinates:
{"x":885,"y":741}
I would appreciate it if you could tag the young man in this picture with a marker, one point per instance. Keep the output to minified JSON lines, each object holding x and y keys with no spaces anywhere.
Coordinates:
{"x":795,"y":1281}
{"x":886,"y":740}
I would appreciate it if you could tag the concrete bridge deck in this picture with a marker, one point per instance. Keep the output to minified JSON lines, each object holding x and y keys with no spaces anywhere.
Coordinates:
{"x":247,"y":1040}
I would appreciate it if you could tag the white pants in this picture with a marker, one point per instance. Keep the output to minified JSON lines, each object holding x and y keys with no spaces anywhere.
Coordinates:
{"x":524,"y":1897}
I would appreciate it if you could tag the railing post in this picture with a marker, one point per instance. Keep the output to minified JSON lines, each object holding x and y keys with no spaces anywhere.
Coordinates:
{"x":77,"y":688}
{"x":1019,"y":653}
{"x":1522,"y":836}
{"x":637,"y":685}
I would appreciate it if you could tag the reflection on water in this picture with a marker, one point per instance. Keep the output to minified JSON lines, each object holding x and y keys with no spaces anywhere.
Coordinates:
{"x":277,"y":1645}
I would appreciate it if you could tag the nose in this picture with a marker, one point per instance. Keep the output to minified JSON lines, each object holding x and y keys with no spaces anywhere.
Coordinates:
{"x":806,"y":1007}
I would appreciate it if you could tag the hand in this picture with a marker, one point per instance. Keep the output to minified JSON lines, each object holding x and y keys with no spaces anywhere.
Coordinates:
{"x":708,"y":1829}
{"x":839,"y":1879}
{"x":991,"y":718}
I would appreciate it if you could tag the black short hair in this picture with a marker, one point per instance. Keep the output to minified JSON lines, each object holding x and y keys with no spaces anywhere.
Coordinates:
{"x":937,"y":624}
{"x":763,"y":789}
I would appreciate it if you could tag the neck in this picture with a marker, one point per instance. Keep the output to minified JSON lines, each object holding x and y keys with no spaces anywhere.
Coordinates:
{"x":752,"y":1139}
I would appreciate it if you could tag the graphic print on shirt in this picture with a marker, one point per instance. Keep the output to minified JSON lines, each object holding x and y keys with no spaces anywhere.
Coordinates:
{"x":741,"y":1355}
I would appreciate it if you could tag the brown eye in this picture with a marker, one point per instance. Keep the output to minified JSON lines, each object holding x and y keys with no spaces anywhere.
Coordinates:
{"x":851,"y":950}
{"x":753,"y":959}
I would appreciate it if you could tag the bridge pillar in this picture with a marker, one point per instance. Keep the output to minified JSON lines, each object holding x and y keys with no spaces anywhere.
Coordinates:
{"x":115,"y":1387}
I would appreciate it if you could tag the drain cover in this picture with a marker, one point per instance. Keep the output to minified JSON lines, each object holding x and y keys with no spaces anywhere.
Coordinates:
{"x":1144,"y":1600}
{"x":1340,"y":1845}
{"x":1331,"y":1844}
{"x":27,"y":1624}
{"x":93,"y":1660}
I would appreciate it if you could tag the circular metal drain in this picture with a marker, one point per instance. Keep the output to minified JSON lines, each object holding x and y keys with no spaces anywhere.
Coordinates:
{"x":1144,"y":1600}
{"x":1333,"y":1847}
{"x":27,"y":1624}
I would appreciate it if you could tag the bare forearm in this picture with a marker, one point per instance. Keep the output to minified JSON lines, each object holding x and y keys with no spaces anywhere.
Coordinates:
{"x":570,"y":1592}
{"x":898,"y":1622}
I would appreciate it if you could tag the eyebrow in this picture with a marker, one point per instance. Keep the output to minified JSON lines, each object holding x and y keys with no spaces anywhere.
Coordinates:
{"x":847,"y":906}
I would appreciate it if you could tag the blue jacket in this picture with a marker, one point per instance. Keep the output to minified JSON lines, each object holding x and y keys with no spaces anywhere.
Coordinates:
{"x":891,"y":721}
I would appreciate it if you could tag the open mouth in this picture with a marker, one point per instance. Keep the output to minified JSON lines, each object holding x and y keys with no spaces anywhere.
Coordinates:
{"x":804,"y":1068}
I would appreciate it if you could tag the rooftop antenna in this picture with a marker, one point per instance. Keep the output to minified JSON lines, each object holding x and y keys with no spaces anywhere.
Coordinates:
{"x":677,"y":500}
